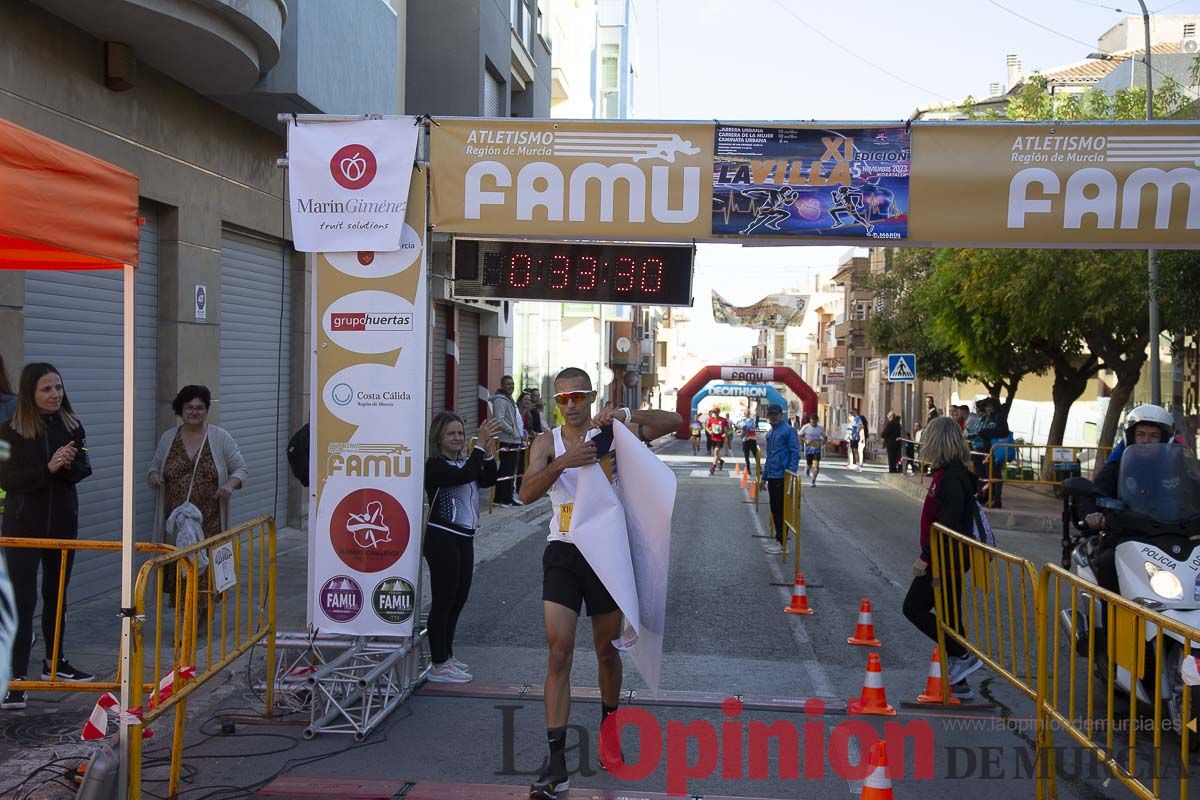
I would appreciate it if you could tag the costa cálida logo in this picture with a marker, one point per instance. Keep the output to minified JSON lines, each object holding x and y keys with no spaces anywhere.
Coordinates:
{"x":353,"y":167}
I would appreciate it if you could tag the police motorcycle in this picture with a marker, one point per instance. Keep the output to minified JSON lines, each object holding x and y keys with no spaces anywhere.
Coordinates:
{"x":1155,"y":522}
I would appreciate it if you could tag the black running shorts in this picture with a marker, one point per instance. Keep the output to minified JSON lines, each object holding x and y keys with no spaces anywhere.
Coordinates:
{"x":811,"y":457}
{"x":568,"y":579}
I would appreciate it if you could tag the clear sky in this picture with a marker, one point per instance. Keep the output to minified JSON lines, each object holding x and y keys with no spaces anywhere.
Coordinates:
{"x":788,"y":60}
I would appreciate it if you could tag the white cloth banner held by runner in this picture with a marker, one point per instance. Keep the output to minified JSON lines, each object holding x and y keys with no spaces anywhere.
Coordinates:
{"x":624,"y":532}
{"x":348,"y":182}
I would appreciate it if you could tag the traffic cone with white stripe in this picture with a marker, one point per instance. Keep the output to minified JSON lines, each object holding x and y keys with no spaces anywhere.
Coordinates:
{"x":874,"y":696}
{"x":864,"y":631}
{"x":737,"y":471}
{"x":933,"y":684}
{"x":799,"y":597}
{"x":745,"y":481}
{"x":877,"y":786}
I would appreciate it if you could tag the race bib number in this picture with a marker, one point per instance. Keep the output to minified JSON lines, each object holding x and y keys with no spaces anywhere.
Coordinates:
{"x":564,"y":517}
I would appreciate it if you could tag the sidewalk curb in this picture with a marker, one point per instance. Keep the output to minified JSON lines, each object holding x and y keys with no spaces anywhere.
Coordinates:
{"x":1003,"y":519}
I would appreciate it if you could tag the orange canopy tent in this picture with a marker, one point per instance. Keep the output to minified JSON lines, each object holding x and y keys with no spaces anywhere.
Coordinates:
{"x":63,"y":209}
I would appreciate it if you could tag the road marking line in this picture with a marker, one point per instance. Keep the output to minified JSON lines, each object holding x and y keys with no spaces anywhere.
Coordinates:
{"x":859,"y":479}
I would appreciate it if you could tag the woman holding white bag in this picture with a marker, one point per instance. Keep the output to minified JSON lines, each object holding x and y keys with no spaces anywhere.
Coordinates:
{"x":195,"y":463}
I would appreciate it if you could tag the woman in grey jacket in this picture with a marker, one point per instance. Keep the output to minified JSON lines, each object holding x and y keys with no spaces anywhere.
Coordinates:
{"x":195,"y":462}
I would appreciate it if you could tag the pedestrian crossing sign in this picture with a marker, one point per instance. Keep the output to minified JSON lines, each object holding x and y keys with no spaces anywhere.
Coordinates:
{"x":902,"y":367}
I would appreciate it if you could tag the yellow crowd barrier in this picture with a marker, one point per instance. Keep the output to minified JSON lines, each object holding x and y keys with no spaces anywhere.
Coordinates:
{"x":997,"y":608}
{"x":1034,"y":463}
{"x":1040,"y":631}
{"x":793,"y":490}
{"x":219,"y":613}
{"x":65,"y":546}
{"x":1095,"y":658}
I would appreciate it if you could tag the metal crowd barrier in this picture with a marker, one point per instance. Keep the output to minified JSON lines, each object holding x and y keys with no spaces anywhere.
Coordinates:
{"x":212,"y":624}
{"x":1088,"y":711}
{"x":905,"y":461}
{"x":991,"y":586}
{"x":1034,"y":464}
{"x":793,"y":490}
{"x":65,"y":546}
{"x":522,"y":465}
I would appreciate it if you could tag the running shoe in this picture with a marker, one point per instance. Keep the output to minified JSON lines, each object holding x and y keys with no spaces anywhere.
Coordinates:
{"x":13,"y":701}
{"x":962,"y":690}
{"x":460,"y":666}
{"x":66,"y":672}
{"x":814,"y":483}
{"x":550,"y":787}
{"x":962,"y":666}
{"x":774,"y":548}
{"x":447,"y":673}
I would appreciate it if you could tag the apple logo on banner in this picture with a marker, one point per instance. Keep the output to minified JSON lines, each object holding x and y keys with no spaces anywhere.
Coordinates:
{"x":353,"y":166}
{"x":370,"y":264}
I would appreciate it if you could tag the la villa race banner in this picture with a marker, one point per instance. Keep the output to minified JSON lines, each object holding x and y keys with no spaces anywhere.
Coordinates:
{"x":367,"y":461}
{"x":822,"y":183}
{"x":348,"y":182}
{"x":1134,"y":184}
{"x":632,"y":181}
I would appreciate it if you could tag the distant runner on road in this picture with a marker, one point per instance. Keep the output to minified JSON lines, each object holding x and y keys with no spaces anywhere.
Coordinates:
{"x":813,"y":437}
{"x":717,"y":428}
{"x":750,"y":440}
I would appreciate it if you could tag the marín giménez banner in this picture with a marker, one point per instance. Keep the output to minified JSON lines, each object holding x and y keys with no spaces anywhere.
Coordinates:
{"x":848,"y":183}
{"x":348,"y":183}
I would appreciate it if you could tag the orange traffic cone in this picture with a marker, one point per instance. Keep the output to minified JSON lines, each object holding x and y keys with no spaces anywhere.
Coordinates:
{"x":877,"y":786}
{"x":864,"y":631}
{"x":874,"y":696}
{"x":737,"y":470}
{"x":752,"y":487}
{"x":933,"y":684}
{"x":799,"y":597}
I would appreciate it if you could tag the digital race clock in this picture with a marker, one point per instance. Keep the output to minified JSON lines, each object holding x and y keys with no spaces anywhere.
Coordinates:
{"x":644,"y":274}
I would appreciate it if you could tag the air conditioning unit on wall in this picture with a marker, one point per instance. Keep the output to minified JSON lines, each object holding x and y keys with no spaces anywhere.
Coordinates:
{"x":1190,"y":45}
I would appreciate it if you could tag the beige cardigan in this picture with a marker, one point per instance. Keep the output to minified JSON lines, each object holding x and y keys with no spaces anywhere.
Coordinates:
{"x":226,"y":456}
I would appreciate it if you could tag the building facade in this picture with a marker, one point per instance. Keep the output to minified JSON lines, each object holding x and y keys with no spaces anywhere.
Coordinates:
{"x":201,"y":134}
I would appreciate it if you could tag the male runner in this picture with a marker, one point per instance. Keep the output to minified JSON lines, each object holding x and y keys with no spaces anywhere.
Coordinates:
{"x":567,"y":578}
{"x":750,"y":440}
{"x":813,"y":437}
{"x":717,"y":428}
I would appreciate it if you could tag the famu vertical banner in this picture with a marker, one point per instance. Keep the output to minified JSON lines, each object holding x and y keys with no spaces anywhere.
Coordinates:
{"x":368,"y":421}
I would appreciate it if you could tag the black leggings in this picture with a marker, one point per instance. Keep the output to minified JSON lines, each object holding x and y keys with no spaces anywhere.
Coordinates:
{"x":749,"y":446}
{"x":919,"y":608}
{"x":23,"y":571}
{"x":775,"y":497}
{"x":451,"y":560}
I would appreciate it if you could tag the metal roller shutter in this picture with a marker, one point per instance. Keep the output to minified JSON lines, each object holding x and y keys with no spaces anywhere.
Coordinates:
{"x":74,"y":321}
{"x":468,"y":368}
{"x":256,"y":321}
{"x":438,"y":356}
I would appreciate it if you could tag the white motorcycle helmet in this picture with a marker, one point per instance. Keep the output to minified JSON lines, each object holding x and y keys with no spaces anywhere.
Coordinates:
{"x":1152,"y":415}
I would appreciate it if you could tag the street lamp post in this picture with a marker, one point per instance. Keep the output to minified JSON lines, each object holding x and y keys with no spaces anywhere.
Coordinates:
{"x":1152,"y":254}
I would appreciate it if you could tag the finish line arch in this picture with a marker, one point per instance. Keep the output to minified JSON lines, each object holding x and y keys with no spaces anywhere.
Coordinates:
{"x":785,"y":375}
{"x":764,"y":392}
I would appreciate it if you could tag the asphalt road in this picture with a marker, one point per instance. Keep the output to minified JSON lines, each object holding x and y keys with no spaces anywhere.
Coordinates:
{"x":726,"y":636}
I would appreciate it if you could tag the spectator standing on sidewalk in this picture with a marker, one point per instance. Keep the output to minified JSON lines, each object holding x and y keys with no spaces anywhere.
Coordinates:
{"x":853,"y":440}
{"x":950,"y":501}
{"x":512,"y":436}
{"x":195,"y":463}
{"x":48,"y":457}
{"x":930,"y":409}
{"x":783,"y":456}
{"x":452,"y":482}
{"x":891,"y":434}
{"x":8,"y":407}
{"x":537,"y":410}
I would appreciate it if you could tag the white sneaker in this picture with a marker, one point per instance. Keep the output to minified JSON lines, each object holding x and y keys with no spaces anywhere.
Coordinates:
{"x":961,"y":667}
{"x":458,"y":665}
{"x":447,"y":673}
{"x":774,"y":548}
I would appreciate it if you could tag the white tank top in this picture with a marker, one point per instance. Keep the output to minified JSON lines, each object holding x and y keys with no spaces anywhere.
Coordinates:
{"x":562,"y":493}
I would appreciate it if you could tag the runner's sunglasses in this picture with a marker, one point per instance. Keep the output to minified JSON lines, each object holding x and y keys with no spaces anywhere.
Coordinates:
{"x":578,"y":397}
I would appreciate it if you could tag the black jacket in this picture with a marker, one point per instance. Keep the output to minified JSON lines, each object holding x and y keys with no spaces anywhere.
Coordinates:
{"x":453,"y":490}
{"x":41,"y":503}
{"x":892,"y":431}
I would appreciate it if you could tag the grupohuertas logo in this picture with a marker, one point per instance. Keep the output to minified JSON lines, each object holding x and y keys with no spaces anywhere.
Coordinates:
{"x":393,"y":600}
{"x":353,"y":167}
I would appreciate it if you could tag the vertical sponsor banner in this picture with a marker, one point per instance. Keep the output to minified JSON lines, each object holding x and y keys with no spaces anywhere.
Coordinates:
{"x":843,"y":183}
{"x":349,"y":182}
{"x":1048,"y":184}
{"x":368,"y":426}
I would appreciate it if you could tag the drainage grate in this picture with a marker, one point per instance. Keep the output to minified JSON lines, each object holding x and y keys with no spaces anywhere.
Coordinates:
{"x":39,"y":730}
